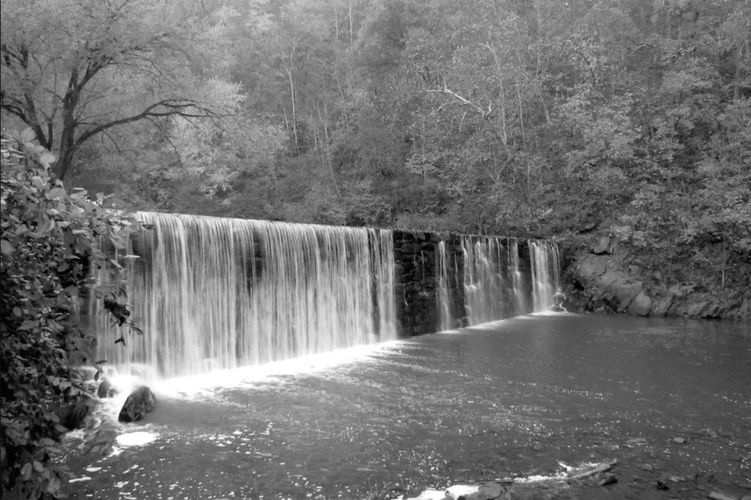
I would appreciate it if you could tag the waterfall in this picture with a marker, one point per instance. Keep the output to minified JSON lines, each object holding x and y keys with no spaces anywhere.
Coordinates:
{"x":215,"y":293}
{"x":515,"y":272}
{"x":483,"y":279}
{"x":443,"y":290}
{"x":544,"y":260}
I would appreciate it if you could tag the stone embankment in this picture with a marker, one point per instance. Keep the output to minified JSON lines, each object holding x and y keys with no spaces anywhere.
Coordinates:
{"x":599,"y":278}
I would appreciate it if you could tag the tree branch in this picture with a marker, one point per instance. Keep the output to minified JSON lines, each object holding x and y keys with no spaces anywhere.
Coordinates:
{"x":165,"y":107}
{"x":483,"y":112}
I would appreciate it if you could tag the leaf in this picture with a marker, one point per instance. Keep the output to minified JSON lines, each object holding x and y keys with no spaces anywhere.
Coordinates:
{"x":56,"y":193}
{"x":6,"y":248}
{"x":53,"y":486}
{"x":26,"y":470}
{"x":28,"y":135}
{"x":46,"y":158}
{"x":29,"y":325}
{"x":46,"y":228}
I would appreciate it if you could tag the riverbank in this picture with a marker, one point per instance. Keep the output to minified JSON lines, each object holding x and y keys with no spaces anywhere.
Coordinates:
{"x":605,"y":273}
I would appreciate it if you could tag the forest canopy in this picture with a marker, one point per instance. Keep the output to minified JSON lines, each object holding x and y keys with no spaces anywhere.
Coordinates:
{"x":515,"y":117}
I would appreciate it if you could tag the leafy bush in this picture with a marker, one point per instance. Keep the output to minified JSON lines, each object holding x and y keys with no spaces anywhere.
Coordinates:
{"x":49,"y":240}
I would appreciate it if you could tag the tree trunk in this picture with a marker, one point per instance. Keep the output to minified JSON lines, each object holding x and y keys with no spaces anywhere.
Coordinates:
{"x":521,"y":112}
{"x":294,"y":112}
{"x":67,"y":136}
{"x":351,"y":28}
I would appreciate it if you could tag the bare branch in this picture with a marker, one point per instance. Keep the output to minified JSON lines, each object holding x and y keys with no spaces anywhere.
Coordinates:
{"x":484,"y":112}
{"x":166,"y":107}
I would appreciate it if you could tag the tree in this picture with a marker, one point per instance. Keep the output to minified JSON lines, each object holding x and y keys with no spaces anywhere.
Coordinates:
{"x":76,"y":69}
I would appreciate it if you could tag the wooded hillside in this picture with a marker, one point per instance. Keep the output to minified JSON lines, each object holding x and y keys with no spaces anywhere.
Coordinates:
{"x":540,"y":117}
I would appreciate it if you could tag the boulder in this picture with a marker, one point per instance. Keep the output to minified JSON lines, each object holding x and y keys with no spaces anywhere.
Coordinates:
{"x":718,"y":495}
{"x":431,"y":495}
{"x":608,"y":479}
{"x":745,"y":309}
{"x":618,"y":289}
{"x":73,"y":414}
{"x":483,"y":491}
{"x":712,"y":311}
{"x":640,"y":305}
{"x":589,"y":270}
{"x":602,"y":246}
{"x":661,"y":306}
{"x":140,"y":402}
{"x":696,"y":309}
{"x":105,"y":389}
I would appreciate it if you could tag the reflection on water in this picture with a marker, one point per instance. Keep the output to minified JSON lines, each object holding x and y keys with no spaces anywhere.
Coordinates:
{"x":523,"y":397}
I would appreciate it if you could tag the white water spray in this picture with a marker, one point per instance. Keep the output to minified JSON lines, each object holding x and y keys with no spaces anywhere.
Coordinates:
{"x":215,"y":293}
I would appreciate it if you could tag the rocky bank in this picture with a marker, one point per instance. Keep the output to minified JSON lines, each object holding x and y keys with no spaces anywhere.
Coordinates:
{"x":600,"y":276}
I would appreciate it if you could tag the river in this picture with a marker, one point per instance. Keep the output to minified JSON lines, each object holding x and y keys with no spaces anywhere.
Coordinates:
{"x":669,"y":399}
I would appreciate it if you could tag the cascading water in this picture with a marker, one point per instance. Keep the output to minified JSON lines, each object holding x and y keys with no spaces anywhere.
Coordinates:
{"x":443,"y":290}
{"x":515,"y":272}
{"x":217,"y":293}
{"x":544,"y":261}
{"x":483,"y":279}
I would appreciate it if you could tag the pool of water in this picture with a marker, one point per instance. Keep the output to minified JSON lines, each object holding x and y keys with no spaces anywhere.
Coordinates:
{"x":669,"y":399}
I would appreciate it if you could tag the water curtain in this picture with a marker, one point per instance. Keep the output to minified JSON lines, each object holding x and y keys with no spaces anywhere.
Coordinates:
{"x":483,"y":279}
{"x":544,"y":260}
{"x":216,"y":293}
{"x":443,"y":288}
{"x":495,"y":283}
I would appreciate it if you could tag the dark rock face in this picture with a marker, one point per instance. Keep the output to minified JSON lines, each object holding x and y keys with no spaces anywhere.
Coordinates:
{"x":417,"y":268}
{"x":72,"y":415}
{"x":602,"y":246}
{"x":140,"y":402}
{"x":105,"y":389}
{"x":601,"y":282}
{"x":641,"y":304}
{"x":611,"y":288}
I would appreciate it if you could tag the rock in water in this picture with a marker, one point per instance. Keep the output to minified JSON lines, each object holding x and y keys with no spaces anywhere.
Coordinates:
{"x":640,"y":305}
{"x":105,"y":389}
{"x":73,"y":414}
{"x":716,"y":495}
{"x":483,"y":491}
{"x":608,"y":479}
{"x":139,"y":403}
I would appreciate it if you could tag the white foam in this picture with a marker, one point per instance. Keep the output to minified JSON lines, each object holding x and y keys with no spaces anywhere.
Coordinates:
{"x":139,"y":438}
{"x":204,"y":384}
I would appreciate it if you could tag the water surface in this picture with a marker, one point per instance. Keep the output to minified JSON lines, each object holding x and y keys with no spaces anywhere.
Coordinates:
{"x":517,"y":398}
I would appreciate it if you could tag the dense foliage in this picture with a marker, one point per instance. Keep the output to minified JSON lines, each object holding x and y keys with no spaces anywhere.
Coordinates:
{"x":517,"y":117}
{"x":48,"y":239}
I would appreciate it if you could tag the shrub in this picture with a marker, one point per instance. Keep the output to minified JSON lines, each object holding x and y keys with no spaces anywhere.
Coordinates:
{"x":49,"y":240}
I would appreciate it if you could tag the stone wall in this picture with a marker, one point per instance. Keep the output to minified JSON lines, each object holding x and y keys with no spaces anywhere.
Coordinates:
{"x":416,"y":254}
